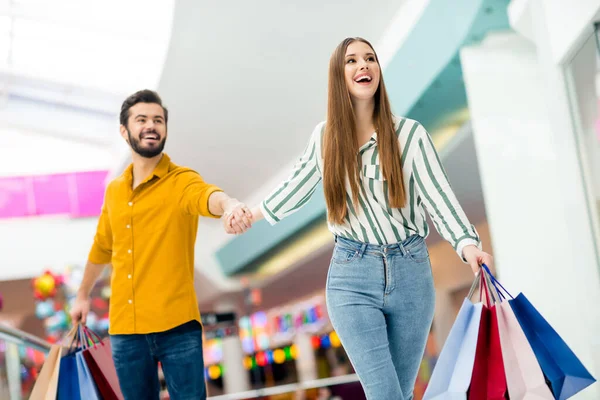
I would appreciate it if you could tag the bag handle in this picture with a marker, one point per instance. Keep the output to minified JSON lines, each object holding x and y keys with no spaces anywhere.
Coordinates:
{"x":483,"y":288}
{"x":91,"y":334}
{"x":475,"y":283}
{"x":496,"y":283}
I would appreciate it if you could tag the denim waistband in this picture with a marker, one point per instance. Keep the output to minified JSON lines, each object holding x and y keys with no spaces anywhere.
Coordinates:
{"x":402,"y":248}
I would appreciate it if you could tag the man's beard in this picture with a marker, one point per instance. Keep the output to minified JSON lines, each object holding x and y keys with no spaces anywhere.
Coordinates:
{"x":146,"y":152}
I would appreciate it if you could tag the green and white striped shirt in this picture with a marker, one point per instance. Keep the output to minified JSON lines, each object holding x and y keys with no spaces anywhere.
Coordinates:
{"x":373,"y":220}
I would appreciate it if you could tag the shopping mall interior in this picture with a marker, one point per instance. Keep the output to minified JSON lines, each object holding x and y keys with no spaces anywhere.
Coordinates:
{"x":508,"y":90}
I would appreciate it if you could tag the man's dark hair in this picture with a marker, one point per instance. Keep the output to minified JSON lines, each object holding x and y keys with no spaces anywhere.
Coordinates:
{"x":143,"y":96}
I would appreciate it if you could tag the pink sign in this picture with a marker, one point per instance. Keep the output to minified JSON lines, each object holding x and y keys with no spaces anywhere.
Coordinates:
{"x":77,"y":194}
{"x":16,"y":197}
{"x":51,"y":194}
{"x":90,"y":193}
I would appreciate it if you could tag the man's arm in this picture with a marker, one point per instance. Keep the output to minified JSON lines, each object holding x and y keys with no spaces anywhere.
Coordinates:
{"x":201,"y":198}
{"x":90,"y":276}
{"x":100,"y":256}
{"x":81,"y":307}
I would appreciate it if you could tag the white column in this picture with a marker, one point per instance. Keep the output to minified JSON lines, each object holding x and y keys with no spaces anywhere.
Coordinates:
{"x":235,"y":376}
{"x":306,"y":362}
{"x":533,"y":189}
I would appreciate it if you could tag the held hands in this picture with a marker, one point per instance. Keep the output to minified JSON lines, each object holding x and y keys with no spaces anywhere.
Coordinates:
{"x":476,"y":257}
{"x":237,"y":217}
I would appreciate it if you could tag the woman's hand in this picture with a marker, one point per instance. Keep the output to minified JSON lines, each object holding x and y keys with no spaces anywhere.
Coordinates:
{"x":476,"y":257}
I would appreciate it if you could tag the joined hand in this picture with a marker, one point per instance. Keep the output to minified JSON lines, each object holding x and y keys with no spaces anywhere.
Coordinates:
{"x":237,"y":217}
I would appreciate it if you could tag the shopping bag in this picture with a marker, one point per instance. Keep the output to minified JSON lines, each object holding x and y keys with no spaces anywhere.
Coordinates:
{"x":488,"y":381}
{"x":524,"y":376}
{"x":46,"y":385}
{"x":563,"y":370}
{"x":68,"y":379}
{"x":101,"y":365}
{"x":68,"y":383}
{"x":566,"y":373}
{"x":87,"y":386}
{"x":451,"y":376}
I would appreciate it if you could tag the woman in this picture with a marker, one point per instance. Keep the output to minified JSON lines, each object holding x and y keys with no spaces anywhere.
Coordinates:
{"x":379,"y":175}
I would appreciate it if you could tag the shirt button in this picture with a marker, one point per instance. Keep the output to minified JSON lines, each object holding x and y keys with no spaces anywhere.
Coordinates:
{"x":129,"y":251}
{"x":130,"y":204}
{"x":128,"y":226}
{"x":128,"y":276}
{"x":130,"y":301}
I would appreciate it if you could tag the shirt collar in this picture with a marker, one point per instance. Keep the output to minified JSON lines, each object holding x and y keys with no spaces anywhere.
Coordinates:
{"x":370,"y":143}
{"x":160,"y":170}
{"x":163,"y":166}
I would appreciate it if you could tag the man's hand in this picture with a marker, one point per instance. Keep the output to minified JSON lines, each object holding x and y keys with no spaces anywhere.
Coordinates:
{"x":237,"y":217}
{"x":476,"y":257}
{"x":80,"y":310}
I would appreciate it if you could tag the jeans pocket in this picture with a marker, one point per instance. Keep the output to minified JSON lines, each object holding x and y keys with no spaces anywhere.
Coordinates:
{"x":419,"y":253}
{"x":344,"y":256}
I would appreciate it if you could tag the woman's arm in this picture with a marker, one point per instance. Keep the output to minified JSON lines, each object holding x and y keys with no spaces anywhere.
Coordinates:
{"x":448,"y":216}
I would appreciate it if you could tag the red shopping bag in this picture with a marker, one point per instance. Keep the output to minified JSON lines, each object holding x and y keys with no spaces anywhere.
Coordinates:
{"x":100,"y":363}
{"x":488,"y":381}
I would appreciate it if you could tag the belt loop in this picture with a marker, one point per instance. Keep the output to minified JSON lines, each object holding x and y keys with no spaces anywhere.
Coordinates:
{"x":363,"y":247}
{"x":402,"y":248}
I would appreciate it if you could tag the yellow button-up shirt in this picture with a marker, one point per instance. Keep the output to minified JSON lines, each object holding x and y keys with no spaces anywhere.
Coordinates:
{"x":148,"y":234}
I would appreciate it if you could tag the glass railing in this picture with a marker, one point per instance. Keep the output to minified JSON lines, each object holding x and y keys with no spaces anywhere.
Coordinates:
{"x":21,"y":355}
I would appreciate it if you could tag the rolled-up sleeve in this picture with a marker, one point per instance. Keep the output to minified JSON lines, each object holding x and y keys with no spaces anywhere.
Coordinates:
{"x":101,"y":252}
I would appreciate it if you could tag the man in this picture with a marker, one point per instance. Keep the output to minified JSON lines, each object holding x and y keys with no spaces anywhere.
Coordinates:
{"x":147,"y":231}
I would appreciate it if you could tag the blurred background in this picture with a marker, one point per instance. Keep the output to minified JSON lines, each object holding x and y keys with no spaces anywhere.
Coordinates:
{"x":508,"y":90}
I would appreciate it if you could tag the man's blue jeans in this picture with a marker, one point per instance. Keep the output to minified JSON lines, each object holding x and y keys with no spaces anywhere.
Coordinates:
{"x":179,"y":350}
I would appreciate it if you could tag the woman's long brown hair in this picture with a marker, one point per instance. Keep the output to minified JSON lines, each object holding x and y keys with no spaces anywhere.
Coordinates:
{"x":340,"y":142}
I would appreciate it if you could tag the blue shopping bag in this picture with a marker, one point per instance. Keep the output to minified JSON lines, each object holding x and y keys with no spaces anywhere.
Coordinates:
{"x":87,"y":386}
{"x":564,"y":372}
{"x":451,"y":376}
{"x":68,"y":381}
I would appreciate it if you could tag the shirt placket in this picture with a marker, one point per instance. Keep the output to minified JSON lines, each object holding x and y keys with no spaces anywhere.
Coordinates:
{"x":130,"y":258}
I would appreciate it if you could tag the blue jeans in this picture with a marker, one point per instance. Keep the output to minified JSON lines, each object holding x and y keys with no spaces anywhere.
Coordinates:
{"x":179,"y":350}
{"x":380,"y":301}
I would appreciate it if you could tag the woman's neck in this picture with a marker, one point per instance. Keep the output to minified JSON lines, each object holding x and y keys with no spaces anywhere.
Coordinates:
{"x":363,"y":114}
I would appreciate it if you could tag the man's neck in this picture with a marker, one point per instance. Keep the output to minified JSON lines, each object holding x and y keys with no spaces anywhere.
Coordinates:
{"x":143,"y":167}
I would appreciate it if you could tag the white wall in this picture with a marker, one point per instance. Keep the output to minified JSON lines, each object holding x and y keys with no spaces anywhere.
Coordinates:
{"x":39,"y":138}
{"x":29,"y":246}
{"x":25,"y":152}
{"x":567,"y":21}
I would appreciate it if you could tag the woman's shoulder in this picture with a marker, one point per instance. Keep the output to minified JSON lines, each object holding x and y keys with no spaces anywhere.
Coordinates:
{"x":407,"y":128}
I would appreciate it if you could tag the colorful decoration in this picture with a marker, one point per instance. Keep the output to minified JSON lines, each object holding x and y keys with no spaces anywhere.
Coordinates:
{"x":55,"y":295}
{"x":45,"y":309}
{"x":45,"y":286}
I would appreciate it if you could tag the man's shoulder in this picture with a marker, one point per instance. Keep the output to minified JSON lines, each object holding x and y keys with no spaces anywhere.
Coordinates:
{"x":181,"y":173}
